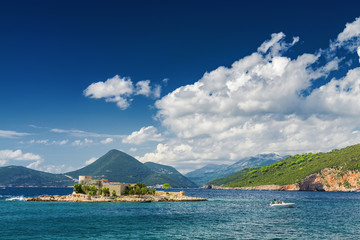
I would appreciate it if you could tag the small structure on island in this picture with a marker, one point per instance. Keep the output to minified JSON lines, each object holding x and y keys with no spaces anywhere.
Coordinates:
{"x":118,"y":187}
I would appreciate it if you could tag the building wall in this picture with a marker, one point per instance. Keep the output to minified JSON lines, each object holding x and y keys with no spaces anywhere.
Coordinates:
{"x":118,"y":187}
{"x":84,"y":179}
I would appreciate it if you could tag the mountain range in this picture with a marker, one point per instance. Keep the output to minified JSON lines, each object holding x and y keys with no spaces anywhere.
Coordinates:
{"x":116,"y":166}
{"x":213,"y":171}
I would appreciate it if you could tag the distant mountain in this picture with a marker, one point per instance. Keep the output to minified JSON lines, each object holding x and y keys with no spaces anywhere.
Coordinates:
{"x":212,"y":171}
{"x":207,"y":173}
{"x":25,"y":177}
{"x":117,"y":166}
{"x":172,"y":174}
{"x":294,"y":169}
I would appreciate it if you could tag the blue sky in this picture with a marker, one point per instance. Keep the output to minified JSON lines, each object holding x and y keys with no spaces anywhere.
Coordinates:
{"x":183,"y":83}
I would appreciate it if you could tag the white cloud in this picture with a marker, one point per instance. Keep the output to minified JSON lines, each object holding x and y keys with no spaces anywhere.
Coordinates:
{"x":132,"y":149}
{"x":3,"y":162}
{"x":145,"y":134}
{"x":143,"y":88}
{"x":349,"y":38}
{"x":17,"y":155}
{"x":90,"y":161}
{"x":48,"y":142}
{"x":358,"y":52}
{"x":351,"y":30}
{"x":107,"y":140}
{"x":79,"y":142}
{"x":258,"y":105}
{"x":12,"y":134}
{"x":120,"y":90}
{"x":81,"y":133}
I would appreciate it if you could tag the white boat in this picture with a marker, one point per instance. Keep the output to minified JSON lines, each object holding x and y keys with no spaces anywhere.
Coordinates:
{"x":284,"y":205}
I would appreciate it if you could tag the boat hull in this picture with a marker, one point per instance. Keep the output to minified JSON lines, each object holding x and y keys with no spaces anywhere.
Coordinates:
{"x":282,"y":205}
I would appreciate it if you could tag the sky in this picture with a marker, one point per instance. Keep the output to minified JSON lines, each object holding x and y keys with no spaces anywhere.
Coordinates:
{"x":180,"y":83}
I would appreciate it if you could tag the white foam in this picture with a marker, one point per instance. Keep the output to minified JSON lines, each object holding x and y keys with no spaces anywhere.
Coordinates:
{"x":17,"y":198}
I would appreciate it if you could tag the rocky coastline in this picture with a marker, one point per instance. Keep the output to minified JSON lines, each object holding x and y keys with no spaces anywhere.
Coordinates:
{"x":78,"y":197}
{"x":329,"y":180}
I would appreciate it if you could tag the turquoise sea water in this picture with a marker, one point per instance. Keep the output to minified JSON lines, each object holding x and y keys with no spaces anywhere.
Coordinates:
{"x":227,"y":215}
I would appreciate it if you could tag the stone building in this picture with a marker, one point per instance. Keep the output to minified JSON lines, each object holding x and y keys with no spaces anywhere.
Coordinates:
{"x":104,"y":183}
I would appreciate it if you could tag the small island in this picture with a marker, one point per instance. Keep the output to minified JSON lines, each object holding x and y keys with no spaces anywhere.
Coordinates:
{"x":89,"y":190}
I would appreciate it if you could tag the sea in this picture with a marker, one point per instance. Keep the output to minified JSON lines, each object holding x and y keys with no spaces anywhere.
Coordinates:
{"x":228,"y":214}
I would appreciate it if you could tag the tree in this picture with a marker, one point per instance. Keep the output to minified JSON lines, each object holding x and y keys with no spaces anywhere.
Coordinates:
{"x":152,"y":191}
{"x":114,"y":193}
{"x":93,"y":190}
{"x":78,"y":188}
{"x":166,"y":185}
{"x":106,"y":191}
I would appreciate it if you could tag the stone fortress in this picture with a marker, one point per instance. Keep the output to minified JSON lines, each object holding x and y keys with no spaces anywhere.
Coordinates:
{"x":118,"y":187}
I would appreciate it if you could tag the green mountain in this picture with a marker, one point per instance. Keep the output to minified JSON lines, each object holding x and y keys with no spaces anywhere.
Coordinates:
{"x":212,"y":171}
{"x":293,"y":169}
{"x":117,"y":166}
{"x":25,"y":177}
{"x":172,"y":174}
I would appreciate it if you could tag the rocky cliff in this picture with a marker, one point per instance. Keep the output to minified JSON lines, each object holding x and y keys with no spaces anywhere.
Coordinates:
{"x":330,"y":180}
{"x":333,"y":180}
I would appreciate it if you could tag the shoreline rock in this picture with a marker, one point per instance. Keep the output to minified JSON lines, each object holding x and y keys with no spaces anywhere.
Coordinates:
{"x":77,"y":197}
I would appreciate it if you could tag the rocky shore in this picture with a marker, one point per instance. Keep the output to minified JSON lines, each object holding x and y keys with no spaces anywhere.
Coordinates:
{"x":329,"y":180}
{"x":77,"y":197}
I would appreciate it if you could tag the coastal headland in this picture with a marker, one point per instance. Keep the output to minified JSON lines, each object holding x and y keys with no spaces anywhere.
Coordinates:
{"x":160,"y":196}
{"x":329,"y":180}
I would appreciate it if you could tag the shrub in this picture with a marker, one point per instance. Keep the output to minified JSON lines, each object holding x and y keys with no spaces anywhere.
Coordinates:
{"x":106,"y":191}
{"x":78,"y":188}
{"x":114,"y":193}
{"x":93,"y":190}
{"x":166,"y":185}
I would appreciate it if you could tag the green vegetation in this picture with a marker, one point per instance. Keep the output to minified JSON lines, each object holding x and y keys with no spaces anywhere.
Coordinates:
{"x":168,"y":174}
{"x":166,"y":185}
{"x":22,"y":176}
{"x":113,"y":193}
{"x":212,"y":171}
{"x":294,"y":168}
{"x":139,"y":189}
{"x":106,"y":191}
{"x":87,"y":189}
{"x":118,"y":166}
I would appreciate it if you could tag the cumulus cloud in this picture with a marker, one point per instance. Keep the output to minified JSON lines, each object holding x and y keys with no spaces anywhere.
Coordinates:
{"x":349,"y":38}
{"x":145,"y":134}
{"x":120,"y":90}
{"x":17,"y":155}
{"x":12,"y":134}
{"x":107,"y":140}
{"x":258,"y":105}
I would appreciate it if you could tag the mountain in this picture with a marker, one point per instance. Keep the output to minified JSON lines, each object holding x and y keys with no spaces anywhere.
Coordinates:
{"x":294,"y":169}
{"x":117,"y":166}
{"x":212,"y":171}
{"x":25,"y":177}
{"x":172,"y":174}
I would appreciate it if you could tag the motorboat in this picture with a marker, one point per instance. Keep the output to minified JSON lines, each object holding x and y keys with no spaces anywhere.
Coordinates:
{"x":282,"y":205}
